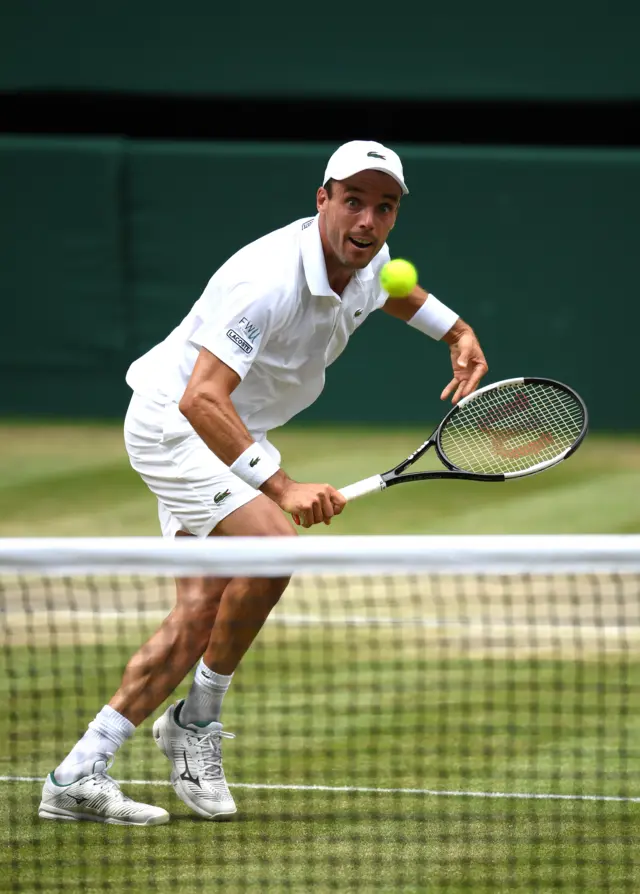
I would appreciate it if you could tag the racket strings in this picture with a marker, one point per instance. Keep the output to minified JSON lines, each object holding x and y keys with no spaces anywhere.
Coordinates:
{"x":512,"y":428}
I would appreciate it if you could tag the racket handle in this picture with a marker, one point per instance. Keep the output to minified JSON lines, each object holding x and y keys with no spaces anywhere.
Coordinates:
{"x":360,"y":488}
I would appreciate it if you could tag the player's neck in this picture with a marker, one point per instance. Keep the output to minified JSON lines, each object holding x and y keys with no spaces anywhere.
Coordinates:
{"x":339,"y":276}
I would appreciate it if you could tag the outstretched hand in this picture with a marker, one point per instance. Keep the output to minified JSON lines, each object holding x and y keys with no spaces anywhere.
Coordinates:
{"x":468,"y":362}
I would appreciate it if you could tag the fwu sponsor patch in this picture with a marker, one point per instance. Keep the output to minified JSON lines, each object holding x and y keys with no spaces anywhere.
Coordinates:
{"x":307,"y":223}
{"x":242,"y":344}
{"x":251,"y":330}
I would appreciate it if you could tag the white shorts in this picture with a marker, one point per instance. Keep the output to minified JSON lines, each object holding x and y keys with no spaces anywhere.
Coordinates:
{"x":195,"y":489}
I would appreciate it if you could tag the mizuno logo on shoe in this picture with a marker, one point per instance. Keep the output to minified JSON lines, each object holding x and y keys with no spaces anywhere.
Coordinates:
{"x":187,"y":772}
{"x":77,"y":800}
{"x":219,"y":498}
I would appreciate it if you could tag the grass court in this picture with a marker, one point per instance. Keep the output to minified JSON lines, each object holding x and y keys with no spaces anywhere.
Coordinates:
{"x":401,"y":735}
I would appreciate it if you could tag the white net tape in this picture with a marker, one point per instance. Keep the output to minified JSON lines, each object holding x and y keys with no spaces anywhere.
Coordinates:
{"x":365,"y":555}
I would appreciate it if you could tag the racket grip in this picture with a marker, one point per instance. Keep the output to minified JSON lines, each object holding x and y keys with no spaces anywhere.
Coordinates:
{"x":360,"y":488}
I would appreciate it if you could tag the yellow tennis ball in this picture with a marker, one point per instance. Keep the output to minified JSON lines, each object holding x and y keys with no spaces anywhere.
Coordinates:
{"x":398,"y":278}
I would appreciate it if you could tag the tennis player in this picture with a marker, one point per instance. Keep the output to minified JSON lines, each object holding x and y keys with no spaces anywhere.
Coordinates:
{"x":249,"y":355}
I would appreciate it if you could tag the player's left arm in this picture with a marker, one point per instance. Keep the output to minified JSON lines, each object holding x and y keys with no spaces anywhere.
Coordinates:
{"x":467,"y":358}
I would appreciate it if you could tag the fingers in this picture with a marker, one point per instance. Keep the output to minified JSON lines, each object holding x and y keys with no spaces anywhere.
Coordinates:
{"x":318,"y":510}
{"x":459,"y":392}
{"x":327,"y":508}
{"x":447,"y":391}
{"x":469,"y":366}
{"x":461,"y":387}
{"x":338,"y":501}
{"x":318,"y":503}
{"x":474,"y":381}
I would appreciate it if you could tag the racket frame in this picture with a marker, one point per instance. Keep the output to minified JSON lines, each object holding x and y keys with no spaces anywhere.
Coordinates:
{"x":395,"y":476}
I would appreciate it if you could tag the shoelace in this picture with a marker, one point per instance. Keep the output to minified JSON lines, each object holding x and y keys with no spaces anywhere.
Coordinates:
{"x":103,"y":780}
{"x":211,"y":750}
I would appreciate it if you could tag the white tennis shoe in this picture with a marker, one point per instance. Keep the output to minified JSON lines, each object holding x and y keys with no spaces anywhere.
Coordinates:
{"x":98,"y":799}
{"x":196,"y":757}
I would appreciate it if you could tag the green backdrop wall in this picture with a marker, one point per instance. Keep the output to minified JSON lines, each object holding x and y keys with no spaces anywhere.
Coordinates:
{"x":420,"y":48}
{"x":109,"y":243}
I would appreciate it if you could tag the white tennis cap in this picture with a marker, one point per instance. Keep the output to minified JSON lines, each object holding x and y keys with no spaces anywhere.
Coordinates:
{"x":364,"y":155}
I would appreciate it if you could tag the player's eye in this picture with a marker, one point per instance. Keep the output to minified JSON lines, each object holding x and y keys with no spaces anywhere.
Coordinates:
{"x":352,"y":202}
{"x":386,"y":208}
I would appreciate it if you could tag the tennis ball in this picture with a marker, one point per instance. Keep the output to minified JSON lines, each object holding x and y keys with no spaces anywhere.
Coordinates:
{"x":398,"y":278}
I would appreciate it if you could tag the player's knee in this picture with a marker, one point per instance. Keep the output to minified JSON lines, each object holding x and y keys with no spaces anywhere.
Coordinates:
{"x":197,"y":607}
{"x":264,"y":590}
{"x":199,"y":616}
{"x":272,"y":524}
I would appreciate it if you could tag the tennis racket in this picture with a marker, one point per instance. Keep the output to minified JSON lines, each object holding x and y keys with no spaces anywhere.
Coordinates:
{"x":510,"y":429}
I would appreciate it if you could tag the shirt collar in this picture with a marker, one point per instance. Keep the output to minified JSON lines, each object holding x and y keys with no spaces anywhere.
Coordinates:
{"x":315,"y":269}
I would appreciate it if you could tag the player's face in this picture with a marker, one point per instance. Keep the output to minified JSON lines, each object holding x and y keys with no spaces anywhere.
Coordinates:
{"x":355,"y":221}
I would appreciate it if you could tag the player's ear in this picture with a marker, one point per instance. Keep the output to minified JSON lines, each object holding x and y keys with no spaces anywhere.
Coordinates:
{"x":322,"y":197}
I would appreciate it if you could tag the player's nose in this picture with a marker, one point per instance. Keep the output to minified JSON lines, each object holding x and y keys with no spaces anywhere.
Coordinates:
{"x":366,"y":219}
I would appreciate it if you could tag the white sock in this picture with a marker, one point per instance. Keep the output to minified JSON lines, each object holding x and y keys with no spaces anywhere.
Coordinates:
{"x":204,"y":702}
{"x":106,"y":733}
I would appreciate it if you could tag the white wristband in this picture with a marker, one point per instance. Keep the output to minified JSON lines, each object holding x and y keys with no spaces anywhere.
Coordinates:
{"x":434,"y":318}
{"x":254,"y":466}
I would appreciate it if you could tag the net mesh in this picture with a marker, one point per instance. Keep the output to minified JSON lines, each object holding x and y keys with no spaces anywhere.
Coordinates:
{"x":446,"y":714}
{"x":512,"y":428}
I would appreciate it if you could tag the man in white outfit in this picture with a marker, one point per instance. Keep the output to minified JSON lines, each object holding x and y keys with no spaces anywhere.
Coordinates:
{"x":249,"y":355}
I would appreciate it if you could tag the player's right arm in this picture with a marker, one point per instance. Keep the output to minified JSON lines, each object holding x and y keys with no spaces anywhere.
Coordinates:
{"x":207,"y":404}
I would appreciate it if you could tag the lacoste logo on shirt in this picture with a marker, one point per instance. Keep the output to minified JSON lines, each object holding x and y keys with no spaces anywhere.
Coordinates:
{"x":376,"y":155}
{"x":242,"y":344}
{"x":222,"y":496}
{"x":254,"y":462}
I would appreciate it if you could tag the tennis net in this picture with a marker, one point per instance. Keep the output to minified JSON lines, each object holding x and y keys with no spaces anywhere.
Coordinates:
{"x":418,"y":713}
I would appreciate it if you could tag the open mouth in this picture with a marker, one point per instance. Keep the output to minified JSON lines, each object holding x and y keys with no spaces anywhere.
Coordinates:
{"x":360,"y":243}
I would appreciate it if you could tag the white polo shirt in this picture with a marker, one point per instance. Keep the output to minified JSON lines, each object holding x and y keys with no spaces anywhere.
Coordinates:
{"x":270,"y":314}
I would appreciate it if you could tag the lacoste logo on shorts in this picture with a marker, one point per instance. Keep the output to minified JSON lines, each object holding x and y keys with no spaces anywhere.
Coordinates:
{"x":254,"y":462}
{"x":242,"y":344}
{"x":221,"y":497}
{"x":358,"y":312}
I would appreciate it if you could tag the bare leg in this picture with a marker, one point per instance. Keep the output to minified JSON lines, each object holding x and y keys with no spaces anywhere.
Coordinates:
{"x":214,"y":616}
{"x":246,"y":602}
{"x":245,"y":606}
{"x":165,"y":659}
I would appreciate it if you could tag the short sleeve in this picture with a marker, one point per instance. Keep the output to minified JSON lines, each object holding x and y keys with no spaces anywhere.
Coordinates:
{"x":237,"y":325}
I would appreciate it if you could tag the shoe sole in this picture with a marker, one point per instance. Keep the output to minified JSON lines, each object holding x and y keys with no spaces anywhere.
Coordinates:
{"x":181,"y":791}
{"x":56,"y":813}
